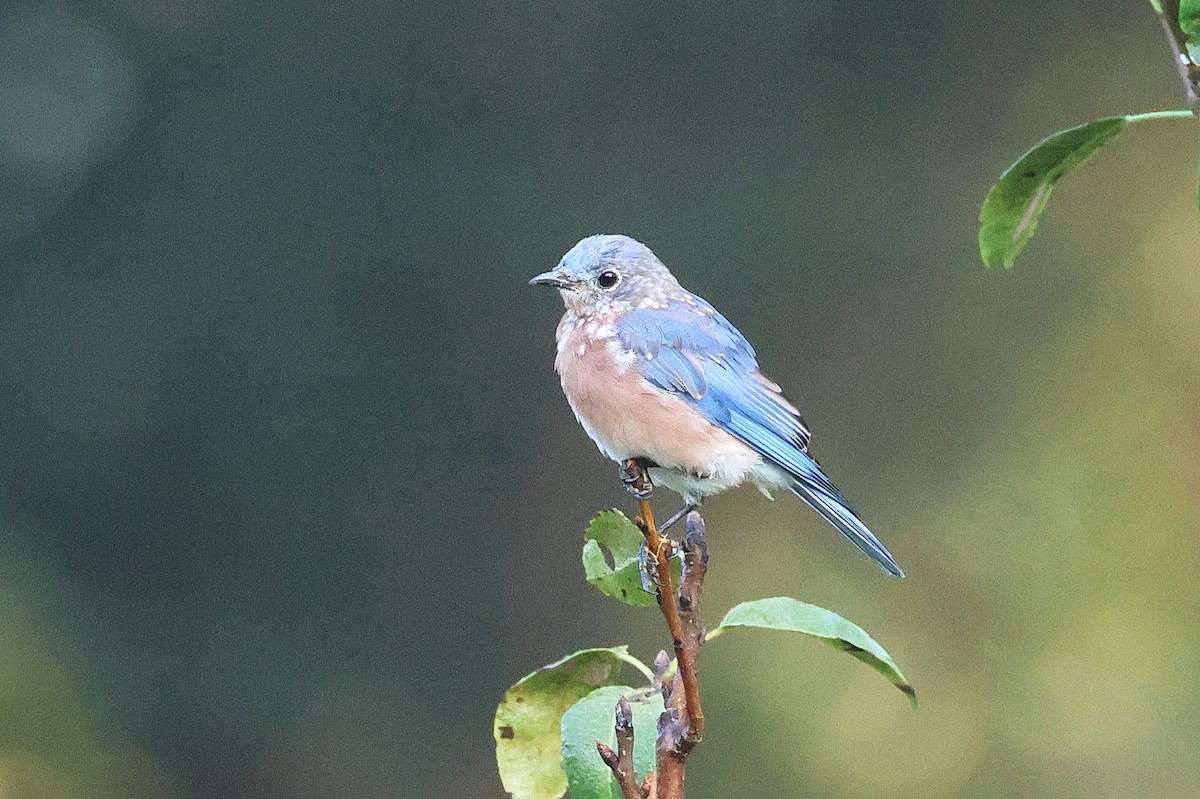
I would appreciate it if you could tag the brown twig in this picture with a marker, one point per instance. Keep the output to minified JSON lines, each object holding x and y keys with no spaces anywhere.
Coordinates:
{"x":695,"y":567}
{"x":621,"y":761}
{"x":1189,"y":70}
{"x":670,"y":761}
{"x":683,"y":641}
{"x":681,"y":726}
{"x":684,"y":689}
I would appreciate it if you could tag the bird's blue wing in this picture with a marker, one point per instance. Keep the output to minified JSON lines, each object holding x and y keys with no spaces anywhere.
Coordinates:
{"x":690,"y":349}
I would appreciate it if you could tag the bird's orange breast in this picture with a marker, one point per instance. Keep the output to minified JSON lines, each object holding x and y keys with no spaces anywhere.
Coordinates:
{"x":629,"y":417}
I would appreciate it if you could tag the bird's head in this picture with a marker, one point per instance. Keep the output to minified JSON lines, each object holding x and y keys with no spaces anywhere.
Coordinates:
{"x":607,"y":274}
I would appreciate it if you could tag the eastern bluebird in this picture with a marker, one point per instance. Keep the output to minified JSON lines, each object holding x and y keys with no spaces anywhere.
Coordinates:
{"x":655,"y":373}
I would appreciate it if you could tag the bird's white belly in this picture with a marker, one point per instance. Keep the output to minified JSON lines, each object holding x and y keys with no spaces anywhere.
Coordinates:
{"x":694,"y":487}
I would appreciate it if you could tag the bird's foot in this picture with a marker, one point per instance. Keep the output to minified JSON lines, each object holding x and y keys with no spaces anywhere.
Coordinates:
{"x":635,"y":474}
{"x":647,"y":568}
{"x":648,"y":563}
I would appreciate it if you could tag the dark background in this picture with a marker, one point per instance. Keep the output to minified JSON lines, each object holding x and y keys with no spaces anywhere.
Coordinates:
{"x":289,"y":493}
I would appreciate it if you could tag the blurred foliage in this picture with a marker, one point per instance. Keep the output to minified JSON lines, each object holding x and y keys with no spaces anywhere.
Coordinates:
{"x":1189,"y":17}
{"x":291,"y":488}
{"x":54,"y":742}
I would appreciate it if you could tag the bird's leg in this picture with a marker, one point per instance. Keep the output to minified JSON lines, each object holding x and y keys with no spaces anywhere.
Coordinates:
{"x":648,"y":569}
{"x":684,"y":511}
{"x":635,"y":474}
{"x":656,"y":551}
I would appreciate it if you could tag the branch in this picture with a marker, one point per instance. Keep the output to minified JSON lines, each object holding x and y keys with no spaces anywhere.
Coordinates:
{"x":621,"y":761}
{"x":1189,"y":71}
{"x":684,"y":640}
{"x":695,"y":567}
{"x":681,"y":726}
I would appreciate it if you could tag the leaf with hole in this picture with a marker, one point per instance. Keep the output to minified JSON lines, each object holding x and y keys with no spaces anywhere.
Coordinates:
{"x":613,"y":531}
{"x":792,"y":615}
{"x":593,"y":719}
{"x":527,"y":726}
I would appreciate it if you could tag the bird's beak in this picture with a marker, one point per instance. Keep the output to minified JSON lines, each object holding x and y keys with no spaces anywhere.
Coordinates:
{"x":551,"y":278}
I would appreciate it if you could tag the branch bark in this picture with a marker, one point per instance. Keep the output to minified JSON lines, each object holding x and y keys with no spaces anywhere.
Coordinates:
{"x":681,"y":726}
{"x":687,"y":649}
{"x":620,"y":762}
{"x":1189,"y":71}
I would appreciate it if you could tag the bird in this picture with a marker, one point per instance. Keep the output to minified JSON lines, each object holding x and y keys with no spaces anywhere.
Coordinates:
{"x":655,"y":374}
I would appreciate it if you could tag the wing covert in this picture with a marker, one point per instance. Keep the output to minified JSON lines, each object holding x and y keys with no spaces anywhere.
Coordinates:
{"x":690,"y":349}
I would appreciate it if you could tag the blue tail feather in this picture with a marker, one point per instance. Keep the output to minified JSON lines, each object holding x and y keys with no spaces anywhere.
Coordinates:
{"x":821,"y":496}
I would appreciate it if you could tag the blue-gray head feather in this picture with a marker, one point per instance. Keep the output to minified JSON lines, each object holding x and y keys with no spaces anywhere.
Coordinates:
{"x":607,"y":274}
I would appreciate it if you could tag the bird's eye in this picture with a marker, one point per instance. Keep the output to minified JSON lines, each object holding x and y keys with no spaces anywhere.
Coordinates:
{"x":607,"y":279}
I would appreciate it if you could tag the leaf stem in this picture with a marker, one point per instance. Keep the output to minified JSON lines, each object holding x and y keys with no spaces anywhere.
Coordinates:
{"x":640,"y":666}
{"x":1182,"y":113}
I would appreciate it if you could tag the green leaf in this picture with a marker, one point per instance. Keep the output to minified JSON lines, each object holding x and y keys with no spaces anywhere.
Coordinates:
{"x":1011,"y":209}
{"x":792,"y":615}
{"x":1189,"y":17}
{"x":613,"y":531}
{"x":527,"y":726}
{"x":592,"y":719}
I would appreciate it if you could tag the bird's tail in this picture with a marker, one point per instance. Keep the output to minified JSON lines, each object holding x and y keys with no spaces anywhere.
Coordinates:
{"x":821,"y":495}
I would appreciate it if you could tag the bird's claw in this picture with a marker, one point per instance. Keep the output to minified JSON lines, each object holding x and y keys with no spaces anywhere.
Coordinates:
{"x":648,"y":569}
{"x":648,"y":564}
{"x":636,"y":477}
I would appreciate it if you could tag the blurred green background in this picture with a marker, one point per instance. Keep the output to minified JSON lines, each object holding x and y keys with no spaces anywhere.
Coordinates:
{"x":288,"y":490}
